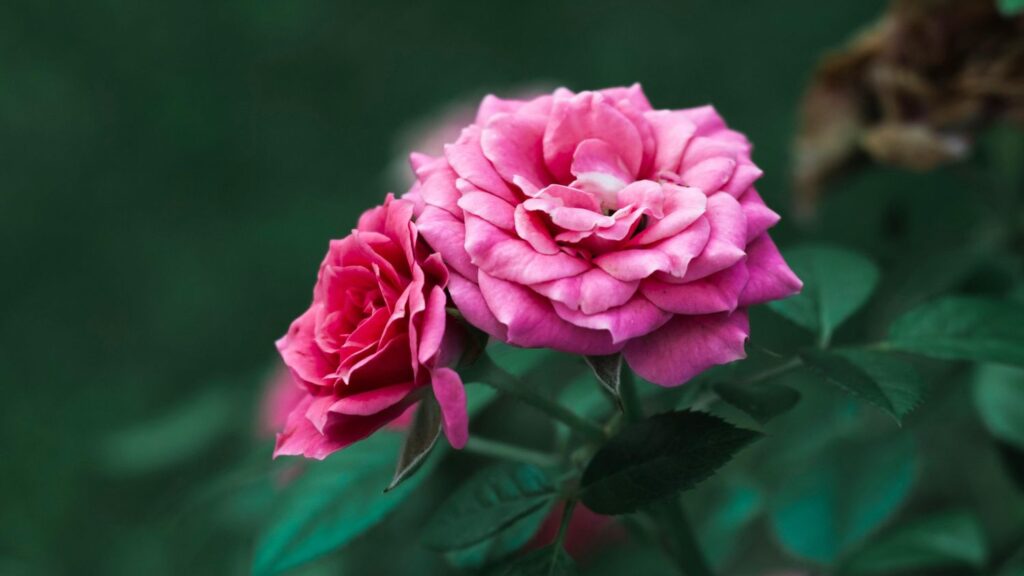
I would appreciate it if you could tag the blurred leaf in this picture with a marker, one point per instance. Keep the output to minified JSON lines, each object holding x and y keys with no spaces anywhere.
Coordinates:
{"x":419,"y":440}
{"x":547,"y":561}
{"x":731,"y":506}
{"x":836,"y":284}
{"x":1011,"y":7}
{"x":489,"y":502}
{"x":333,"y":502}
{"x":882,"y":379}
{"x":608,"y":370}
{"x":999,"y":397}
{"x":761,"y":401}
{"x":845,"y":493}
{"x":501,"y":545}
{"x":657,"y":457}
{"x":943,"y":540}
{"x":963,"y":328}
{"x":168,"y":440}
{"x":520,"y":361}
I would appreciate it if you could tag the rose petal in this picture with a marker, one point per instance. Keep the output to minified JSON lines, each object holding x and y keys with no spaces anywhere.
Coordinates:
{"x":719,"y":292}
{"x":584,"y":116}
{"x":688,"y":345}
{"x":471,"y":304}
{"x":299,"y":351}
{"x":770,"y":276}
{"x":728,"y":238}
{"x":759,"y":217}
{"x":513,"y":144}
{"x":490,"y":208}
{"x":635,"y":318}
{"x":509,"y":258}
{"x":451,"y":396}
{"x":672,"y":131}
{"x":590,"y":292}
{"x":447,"y":235}
{"x":467,"y":159}
{"x":532,"y":322}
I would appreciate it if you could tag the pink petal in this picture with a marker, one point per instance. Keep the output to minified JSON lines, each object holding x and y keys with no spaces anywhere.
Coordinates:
{"x":532,"y":322}
{"x":590,"y":292}
{"x":432,"y":330}
{"x":439,"y":190}
{"x":451,"y":395}
{"x":646,"y":195}
{"x":504,"y":256}
{"x":687,"y":346}
{"x":490,"y":208}
{"x":743,"y":178}
{"x":682,"y":207}
{"x":300,"y":352}
{"x":635,"y":318}
{"x":672,"y":256}
{"x":719,"y":292}
{"x":759,"y":217}
{"x":770,"y":276}
{"x":467,"y":159}
{"x":513,"y":144}
{"x":709,"y":175}
{"x":470,"y":302}
{"x":672,"y":132}
{"x":633,"y":95}
{"x":584,"y":116}
{"x":529,"y":227}
{"x":372,"y":401}
{"x":728,"y":238}
{"x":446,"y":234}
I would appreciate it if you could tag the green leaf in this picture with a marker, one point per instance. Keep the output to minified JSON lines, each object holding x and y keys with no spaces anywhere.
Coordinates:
{"x":836,"y":284}
{"x":882,"y":379}
{"x":547,"y":561}
{"x":184,"y":432}
{"x":487,"y":503}
{"x":762,"y":402}
{"x":944,"y":540}
{"x":608,"y":370}
{"x":845,"y":492}
{"x":658,"y":457}
{"x":502,"y":544}
{"x":419,"y":441}
{"x":1011,"y":7}
{"x":331,"y":503}
{"x":999,"y":397}
{"x":962,"y":328}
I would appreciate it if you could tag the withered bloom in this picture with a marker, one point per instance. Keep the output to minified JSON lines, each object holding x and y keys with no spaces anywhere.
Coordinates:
{"x":911,"y":90}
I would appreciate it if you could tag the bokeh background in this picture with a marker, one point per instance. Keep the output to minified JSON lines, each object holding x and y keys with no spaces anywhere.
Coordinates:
{"x":170,"y":174}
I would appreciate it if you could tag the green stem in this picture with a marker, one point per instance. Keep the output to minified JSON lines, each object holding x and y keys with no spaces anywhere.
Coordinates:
{"x":503,"y":451}
{"x":772,"y":372}
{"x":563,"y":530}
{"x":630,"y":400}
{"x":683,"y":544}
{"x":492,"y":375}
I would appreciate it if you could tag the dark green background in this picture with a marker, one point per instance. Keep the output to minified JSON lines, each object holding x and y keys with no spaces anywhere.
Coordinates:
{"x":170,"y":174}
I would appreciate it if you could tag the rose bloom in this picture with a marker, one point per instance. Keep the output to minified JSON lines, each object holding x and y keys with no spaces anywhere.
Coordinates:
{"x":374,"y":340}
{"x":593,"y":224}
{"x":587,"y":534}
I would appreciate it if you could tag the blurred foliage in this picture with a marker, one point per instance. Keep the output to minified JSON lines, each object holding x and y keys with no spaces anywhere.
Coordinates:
{"x":172,"y":173}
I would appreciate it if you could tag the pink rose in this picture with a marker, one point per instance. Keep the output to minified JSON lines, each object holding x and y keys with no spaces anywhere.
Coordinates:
{"x":593,"y":224}
{"x":374,"y":340}
{"x":588,"y":532}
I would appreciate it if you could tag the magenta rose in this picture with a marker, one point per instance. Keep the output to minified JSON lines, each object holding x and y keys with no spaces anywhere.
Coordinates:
{"x":593,"y":224}
{"x":375,"y":339}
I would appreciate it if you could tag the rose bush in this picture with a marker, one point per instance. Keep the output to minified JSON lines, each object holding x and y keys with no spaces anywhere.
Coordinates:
{"x":375,"y":339}
{"x":593,"y":224}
